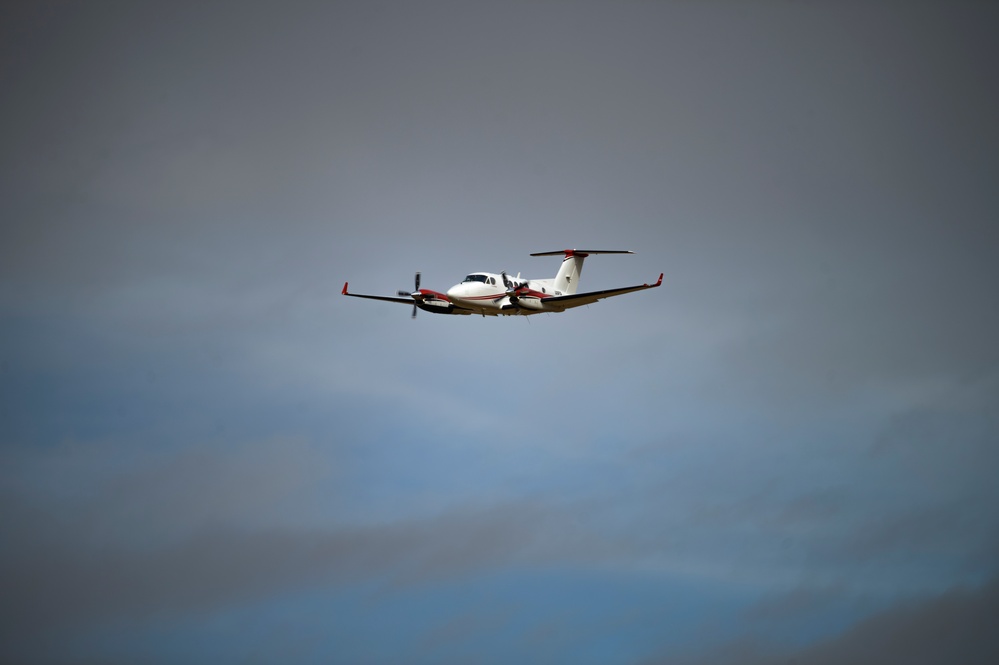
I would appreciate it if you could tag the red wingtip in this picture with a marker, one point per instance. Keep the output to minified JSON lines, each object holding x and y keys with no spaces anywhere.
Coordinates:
{"x":344,"y":292}
{"x":657,"y":283}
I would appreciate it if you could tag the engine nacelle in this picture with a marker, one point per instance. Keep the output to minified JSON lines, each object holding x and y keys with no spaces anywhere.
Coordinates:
{"x":530,"y":303}
{"x":437,"y":305}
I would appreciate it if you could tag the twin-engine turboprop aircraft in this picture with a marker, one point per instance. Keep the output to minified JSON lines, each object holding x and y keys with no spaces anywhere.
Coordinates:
{"x":492,"y":294}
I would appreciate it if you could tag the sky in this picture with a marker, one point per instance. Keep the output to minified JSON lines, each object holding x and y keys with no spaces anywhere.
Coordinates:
{"x":786,"y":453}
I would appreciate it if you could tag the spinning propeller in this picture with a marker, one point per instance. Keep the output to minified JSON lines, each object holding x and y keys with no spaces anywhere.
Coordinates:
{"x":511,"y":286}
{"x":415,"y":295}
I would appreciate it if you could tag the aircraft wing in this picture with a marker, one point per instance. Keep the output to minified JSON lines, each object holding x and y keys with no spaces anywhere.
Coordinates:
{"x":425,"y":299}
{"x":405,"y":301}
{"x":590,"y":297}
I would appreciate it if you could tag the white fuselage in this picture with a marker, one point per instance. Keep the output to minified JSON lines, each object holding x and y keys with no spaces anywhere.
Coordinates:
{"x":486,"y":293}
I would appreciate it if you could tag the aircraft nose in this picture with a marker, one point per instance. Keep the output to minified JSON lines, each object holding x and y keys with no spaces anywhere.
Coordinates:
{"x":454,"y":291}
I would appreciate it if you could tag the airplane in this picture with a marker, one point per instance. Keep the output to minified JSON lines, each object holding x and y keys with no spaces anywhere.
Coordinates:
{"x":495,"y":294}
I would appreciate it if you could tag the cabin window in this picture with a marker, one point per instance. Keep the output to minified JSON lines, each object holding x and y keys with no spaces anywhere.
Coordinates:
{"x":475,"y":278}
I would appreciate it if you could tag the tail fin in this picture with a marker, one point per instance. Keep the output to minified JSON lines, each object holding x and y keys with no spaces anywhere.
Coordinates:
{"x":572,"y":265}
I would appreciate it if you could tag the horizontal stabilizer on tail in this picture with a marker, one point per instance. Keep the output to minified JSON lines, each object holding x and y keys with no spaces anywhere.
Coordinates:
{"x":572,"y":266}
{"x":583,"y":252}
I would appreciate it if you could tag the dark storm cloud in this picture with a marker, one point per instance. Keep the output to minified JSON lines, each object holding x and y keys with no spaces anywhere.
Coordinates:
{"x":955,"y":626}
{"x":59,"y":585}
{"x":91,"y":541}
{"x":62,"y":585}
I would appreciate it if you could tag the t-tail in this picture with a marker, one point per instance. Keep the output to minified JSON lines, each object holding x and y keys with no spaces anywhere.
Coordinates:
{"x":567,"y":279}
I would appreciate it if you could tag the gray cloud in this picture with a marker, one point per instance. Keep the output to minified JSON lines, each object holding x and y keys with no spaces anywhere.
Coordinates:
{"x":60,"y":586}
{"x":100,"y":535}
{"x":802,"y":601}
{"x":955,"y":625}
{"x":805,"y":409}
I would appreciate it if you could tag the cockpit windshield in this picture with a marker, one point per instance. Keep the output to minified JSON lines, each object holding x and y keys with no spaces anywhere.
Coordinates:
{"x":474,"y":278}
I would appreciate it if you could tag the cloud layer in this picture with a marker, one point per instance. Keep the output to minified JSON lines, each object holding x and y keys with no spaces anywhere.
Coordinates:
{"x":786,"y":452}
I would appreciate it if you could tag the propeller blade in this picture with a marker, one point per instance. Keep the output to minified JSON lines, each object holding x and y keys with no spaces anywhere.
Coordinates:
{"x":414,"y":311}
{"x":417,"y":282}
{"x":404,"y":293}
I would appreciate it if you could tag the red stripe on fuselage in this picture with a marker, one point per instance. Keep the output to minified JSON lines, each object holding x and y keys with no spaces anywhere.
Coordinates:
{"x":496,"y":296}
{"x":519,"y":294}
